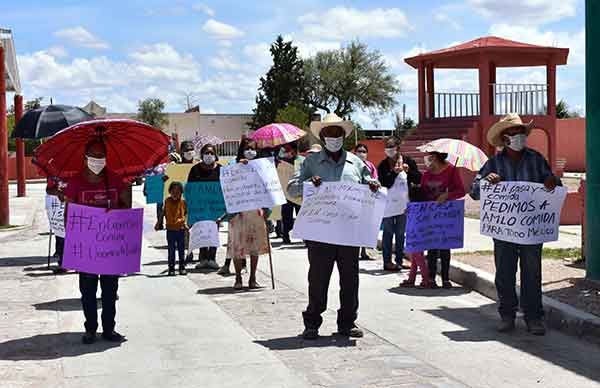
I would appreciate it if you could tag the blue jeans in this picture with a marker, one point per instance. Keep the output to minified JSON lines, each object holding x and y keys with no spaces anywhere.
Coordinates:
{"x":393,"y":226}
{"x":506,"y":255}
{"x":176,"y":242}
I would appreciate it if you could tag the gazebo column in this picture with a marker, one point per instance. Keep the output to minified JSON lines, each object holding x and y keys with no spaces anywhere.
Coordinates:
{"x":421,"y":92}
{"x":551,"y":80}
{"x":484,"y":88}
{"x":20,"y":149}
{"x":4,"y":210}
{"x":430,"y":111}
{"x":491,"y":87}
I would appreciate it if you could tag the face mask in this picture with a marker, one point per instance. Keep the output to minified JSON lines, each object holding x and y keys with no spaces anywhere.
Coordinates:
{"x":362,"y":155}
{"x":96,"y":165}
{"x":334,"y":144}
{"x":391,"y":152}
{"x":517,"y":142}
{"x":209,"y":159}
{"x":428,"y":159}
{"x":250,"y":154}
{"x":189,"y":155}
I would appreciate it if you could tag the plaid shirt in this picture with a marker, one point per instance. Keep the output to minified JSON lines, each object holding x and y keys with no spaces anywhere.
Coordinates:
{"x":532,"y":167}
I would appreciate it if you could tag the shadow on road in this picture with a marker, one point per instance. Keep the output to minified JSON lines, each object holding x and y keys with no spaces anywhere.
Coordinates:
{"x":297,"y":342}
{"x":50,"y":347}
{"x":72,"y":304}
{"x":377,"y":272}
{"x":557,"y":348}
{"x":22,"y":261}
{"x":428,"y":292}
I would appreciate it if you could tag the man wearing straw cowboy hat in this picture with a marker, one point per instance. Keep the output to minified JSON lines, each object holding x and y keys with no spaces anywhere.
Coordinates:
{"x":329,"y":165}
{"x":516,"y":162}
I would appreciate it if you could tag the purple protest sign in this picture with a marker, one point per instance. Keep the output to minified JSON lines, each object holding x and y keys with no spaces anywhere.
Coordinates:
{"x":101,"y":242}
{"x":431,"y":225}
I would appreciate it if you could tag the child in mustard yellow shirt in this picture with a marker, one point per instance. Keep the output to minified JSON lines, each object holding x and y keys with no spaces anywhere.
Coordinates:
{"x":175,"y":213}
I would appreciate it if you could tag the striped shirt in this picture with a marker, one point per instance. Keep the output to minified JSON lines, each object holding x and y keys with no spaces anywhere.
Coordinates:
{"x":532,"y":167}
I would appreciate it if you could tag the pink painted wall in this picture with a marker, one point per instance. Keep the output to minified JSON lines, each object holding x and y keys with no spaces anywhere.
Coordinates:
{"x":570,"y":145}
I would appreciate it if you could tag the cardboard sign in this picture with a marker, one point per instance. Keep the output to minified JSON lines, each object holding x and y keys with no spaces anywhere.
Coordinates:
{"x":204,"y":234}
{"x":251,"y":186}
{"x":397,"y":197}
{"x":155,"y":189}
{"x":285,"y":171}
{"x":521,"y":212}
{"x":340,"y":213}
{"x":204,"y":201}
{"x":176,"y":173}
{"x":55,"y":210}
{"x":103,"y":242}
{"x":432,"y":225}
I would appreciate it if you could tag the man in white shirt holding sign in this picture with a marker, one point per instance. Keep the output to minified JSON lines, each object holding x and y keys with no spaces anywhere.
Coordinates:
{"x":333,"y":164}
{"x":517,"y":163}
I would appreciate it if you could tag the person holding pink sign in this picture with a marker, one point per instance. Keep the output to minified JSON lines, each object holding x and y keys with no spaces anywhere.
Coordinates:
{"x":98,"y":187}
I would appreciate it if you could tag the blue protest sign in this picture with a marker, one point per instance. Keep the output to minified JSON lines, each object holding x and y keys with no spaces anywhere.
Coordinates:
{"x":432,"y":225}
{"x":204,"y":201}
{"x":154,"y":189}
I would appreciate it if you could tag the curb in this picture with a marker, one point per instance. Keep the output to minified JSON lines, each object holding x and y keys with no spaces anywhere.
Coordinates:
{"x":28,"y":220}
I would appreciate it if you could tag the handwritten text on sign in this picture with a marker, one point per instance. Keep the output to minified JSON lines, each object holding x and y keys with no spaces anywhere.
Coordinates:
{"x":251,"y":186}
{"x":101,"y":242}
{"x":340,"y":213}
{"x":432,"y":225}
{"x":55,"y":209}
{"x":397,"y":198}
{"x":204,"y":234}
{"x":204,"y":201}
{"x":521,"y":212}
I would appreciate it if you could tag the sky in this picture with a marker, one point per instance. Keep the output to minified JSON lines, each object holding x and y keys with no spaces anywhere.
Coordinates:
{"x":119,"y":52}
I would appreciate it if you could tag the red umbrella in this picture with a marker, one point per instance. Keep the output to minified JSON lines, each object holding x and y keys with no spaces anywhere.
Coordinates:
{"x":131,"y":148}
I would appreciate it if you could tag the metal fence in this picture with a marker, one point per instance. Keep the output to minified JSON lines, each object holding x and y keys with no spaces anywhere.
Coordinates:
{"x":454,"y":105}
{"x":524,"y":99}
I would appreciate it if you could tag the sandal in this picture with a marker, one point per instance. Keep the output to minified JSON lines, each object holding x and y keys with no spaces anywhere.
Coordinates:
{"x":253,"y":285}
{"x":238,"y":284}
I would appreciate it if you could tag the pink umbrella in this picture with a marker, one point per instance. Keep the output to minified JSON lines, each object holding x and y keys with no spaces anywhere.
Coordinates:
{"x":276,"y":134}
{"x":466,"y":154}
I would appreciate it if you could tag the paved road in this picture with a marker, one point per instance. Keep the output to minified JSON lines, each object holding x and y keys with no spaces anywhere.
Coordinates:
{"x":195,"y":331}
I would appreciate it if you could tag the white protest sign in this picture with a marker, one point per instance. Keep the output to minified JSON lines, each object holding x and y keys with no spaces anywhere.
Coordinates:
{"x":251,"y":186}
{"x":521,"y":212}
{"x":340,"y":213}
{"x":204,"y":234}
{"x":55,"y":209}
{"x":397,"y":197}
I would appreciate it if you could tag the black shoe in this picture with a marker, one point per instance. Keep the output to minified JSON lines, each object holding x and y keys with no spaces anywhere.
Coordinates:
{"x":182,"y":271}
{"x":507,"y":325}
{"x":190,"y":257}
{"x":353,"y":332}
{"x":171,"y":272}
{"x":113,"y":336}
{"x":536,"y":327}
{"x":310,"y":334}
{"x":286,"y":240}
{"x":447,"y":285}
{"x":59,"y":270}
{"x":88,"y":338}
{"x":433,"y":285}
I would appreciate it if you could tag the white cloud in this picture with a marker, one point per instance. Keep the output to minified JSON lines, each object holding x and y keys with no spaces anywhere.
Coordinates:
{"x":201,"y":7}
{"x":258,"y":53}
{"x":445,"y":19}
{"x":223,"y":61}
{"x":221,"y":31}
{"x":82,"y":37}
{"x":58,"y":51}
{"x":341,"y":23}
{"x":526,"y":12}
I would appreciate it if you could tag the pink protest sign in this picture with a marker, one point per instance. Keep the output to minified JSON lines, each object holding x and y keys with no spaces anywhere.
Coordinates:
{"x":101,"y":242}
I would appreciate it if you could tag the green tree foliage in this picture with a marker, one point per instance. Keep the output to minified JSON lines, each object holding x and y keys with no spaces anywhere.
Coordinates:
{"x":150,"y":111}
{"x":281,"y":86}
{"x":30,"y":145}
{"x":355,"y":137}
{"x":563,"y":111}
{"x":350,"y":79}
{"x":295,"y":114}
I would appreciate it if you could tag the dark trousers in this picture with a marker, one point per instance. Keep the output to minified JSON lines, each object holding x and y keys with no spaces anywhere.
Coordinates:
{"x":209,"y":254}
{"x":287,"y":217}
{"x":321,"y":257}
{"x":393,"y":227}
{"x":59,"y":247}
{"x":88,"y":285}
{"x":444,"y":256}
{"x":176,"y":242}
{"x":506,"y":255}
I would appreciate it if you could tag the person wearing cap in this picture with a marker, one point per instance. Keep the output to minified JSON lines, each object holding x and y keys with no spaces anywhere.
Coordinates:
{"x":332,"y":164}
{"x":516,"y":162}
{"x":315,"y":148}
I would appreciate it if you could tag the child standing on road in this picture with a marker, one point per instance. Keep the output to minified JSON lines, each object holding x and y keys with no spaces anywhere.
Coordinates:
{"x":175,"y":213}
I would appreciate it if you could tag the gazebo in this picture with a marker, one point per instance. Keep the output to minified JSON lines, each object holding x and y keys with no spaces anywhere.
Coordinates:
{"x":9,"y":82}
{"x":468,"y":115}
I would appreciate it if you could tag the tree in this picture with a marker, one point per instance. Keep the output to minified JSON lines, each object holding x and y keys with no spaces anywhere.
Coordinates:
{"x":30,"y":145}
{"x":33,"y":104}
{"x":150,"y":111}
{"x":283,"y":84}
{"x":352,"y":78}
{"x":298,"y":115}
{"x":355,"y":137}
{"x":563,"y":112}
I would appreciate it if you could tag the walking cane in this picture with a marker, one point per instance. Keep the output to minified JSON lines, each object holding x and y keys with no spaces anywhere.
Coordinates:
{"x":49,"y":247}
{"x":270,"y":258}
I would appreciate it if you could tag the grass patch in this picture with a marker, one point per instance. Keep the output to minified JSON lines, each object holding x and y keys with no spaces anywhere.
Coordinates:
{"x":547,"y":253}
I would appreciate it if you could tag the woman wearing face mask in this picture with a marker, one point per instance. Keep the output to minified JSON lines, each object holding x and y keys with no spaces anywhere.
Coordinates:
{"x":187,"y":152}
{"x":98,"y":187}
{"x":394,"y":227}
{"x":247,"y":230}
{"x":441,"y":182}
{"x":208,"y":170}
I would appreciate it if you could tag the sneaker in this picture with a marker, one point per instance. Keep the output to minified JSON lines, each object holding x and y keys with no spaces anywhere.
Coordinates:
{"x":507,"y":325}
{"x":536,"y":327}
{"x":88,"y":338}
{"x":202,"y":264}
{"x":224,"y":270}
{"x":353,"y":332}
{"x":182,"y":271}
{"x":171,"y":272}
{"x":310,"y":334}
{"x":113,"y":336}
{"x":212,"y":264}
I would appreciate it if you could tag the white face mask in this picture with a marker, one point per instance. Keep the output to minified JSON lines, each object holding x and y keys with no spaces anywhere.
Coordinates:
{"x":96,"y":165}
{"x":189,"y":155}
{"x":391,"y":152}
{"x":517,"y":142}
{"x":334,"y":144}
{"x":209,"y":159}
{"x":362,"y":155}
{"x":250,"y":154}
{"x":428,"y":160}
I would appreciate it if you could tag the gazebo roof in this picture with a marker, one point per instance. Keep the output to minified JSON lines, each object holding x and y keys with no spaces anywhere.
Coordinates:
{"x":502,"y":52}
{"x":13,"y":83}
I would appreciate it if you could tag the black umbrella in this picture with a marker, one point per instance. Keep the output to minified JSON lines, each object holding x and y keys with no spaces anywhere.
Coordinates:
{"x":48,"y":120}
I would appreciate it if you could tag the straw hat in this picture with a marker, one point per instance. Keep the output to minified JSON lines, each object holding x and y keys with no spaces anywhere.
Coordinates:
{"x":511,"y":120}
{"x":315,"y":148}
{"x":331,"y":120}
